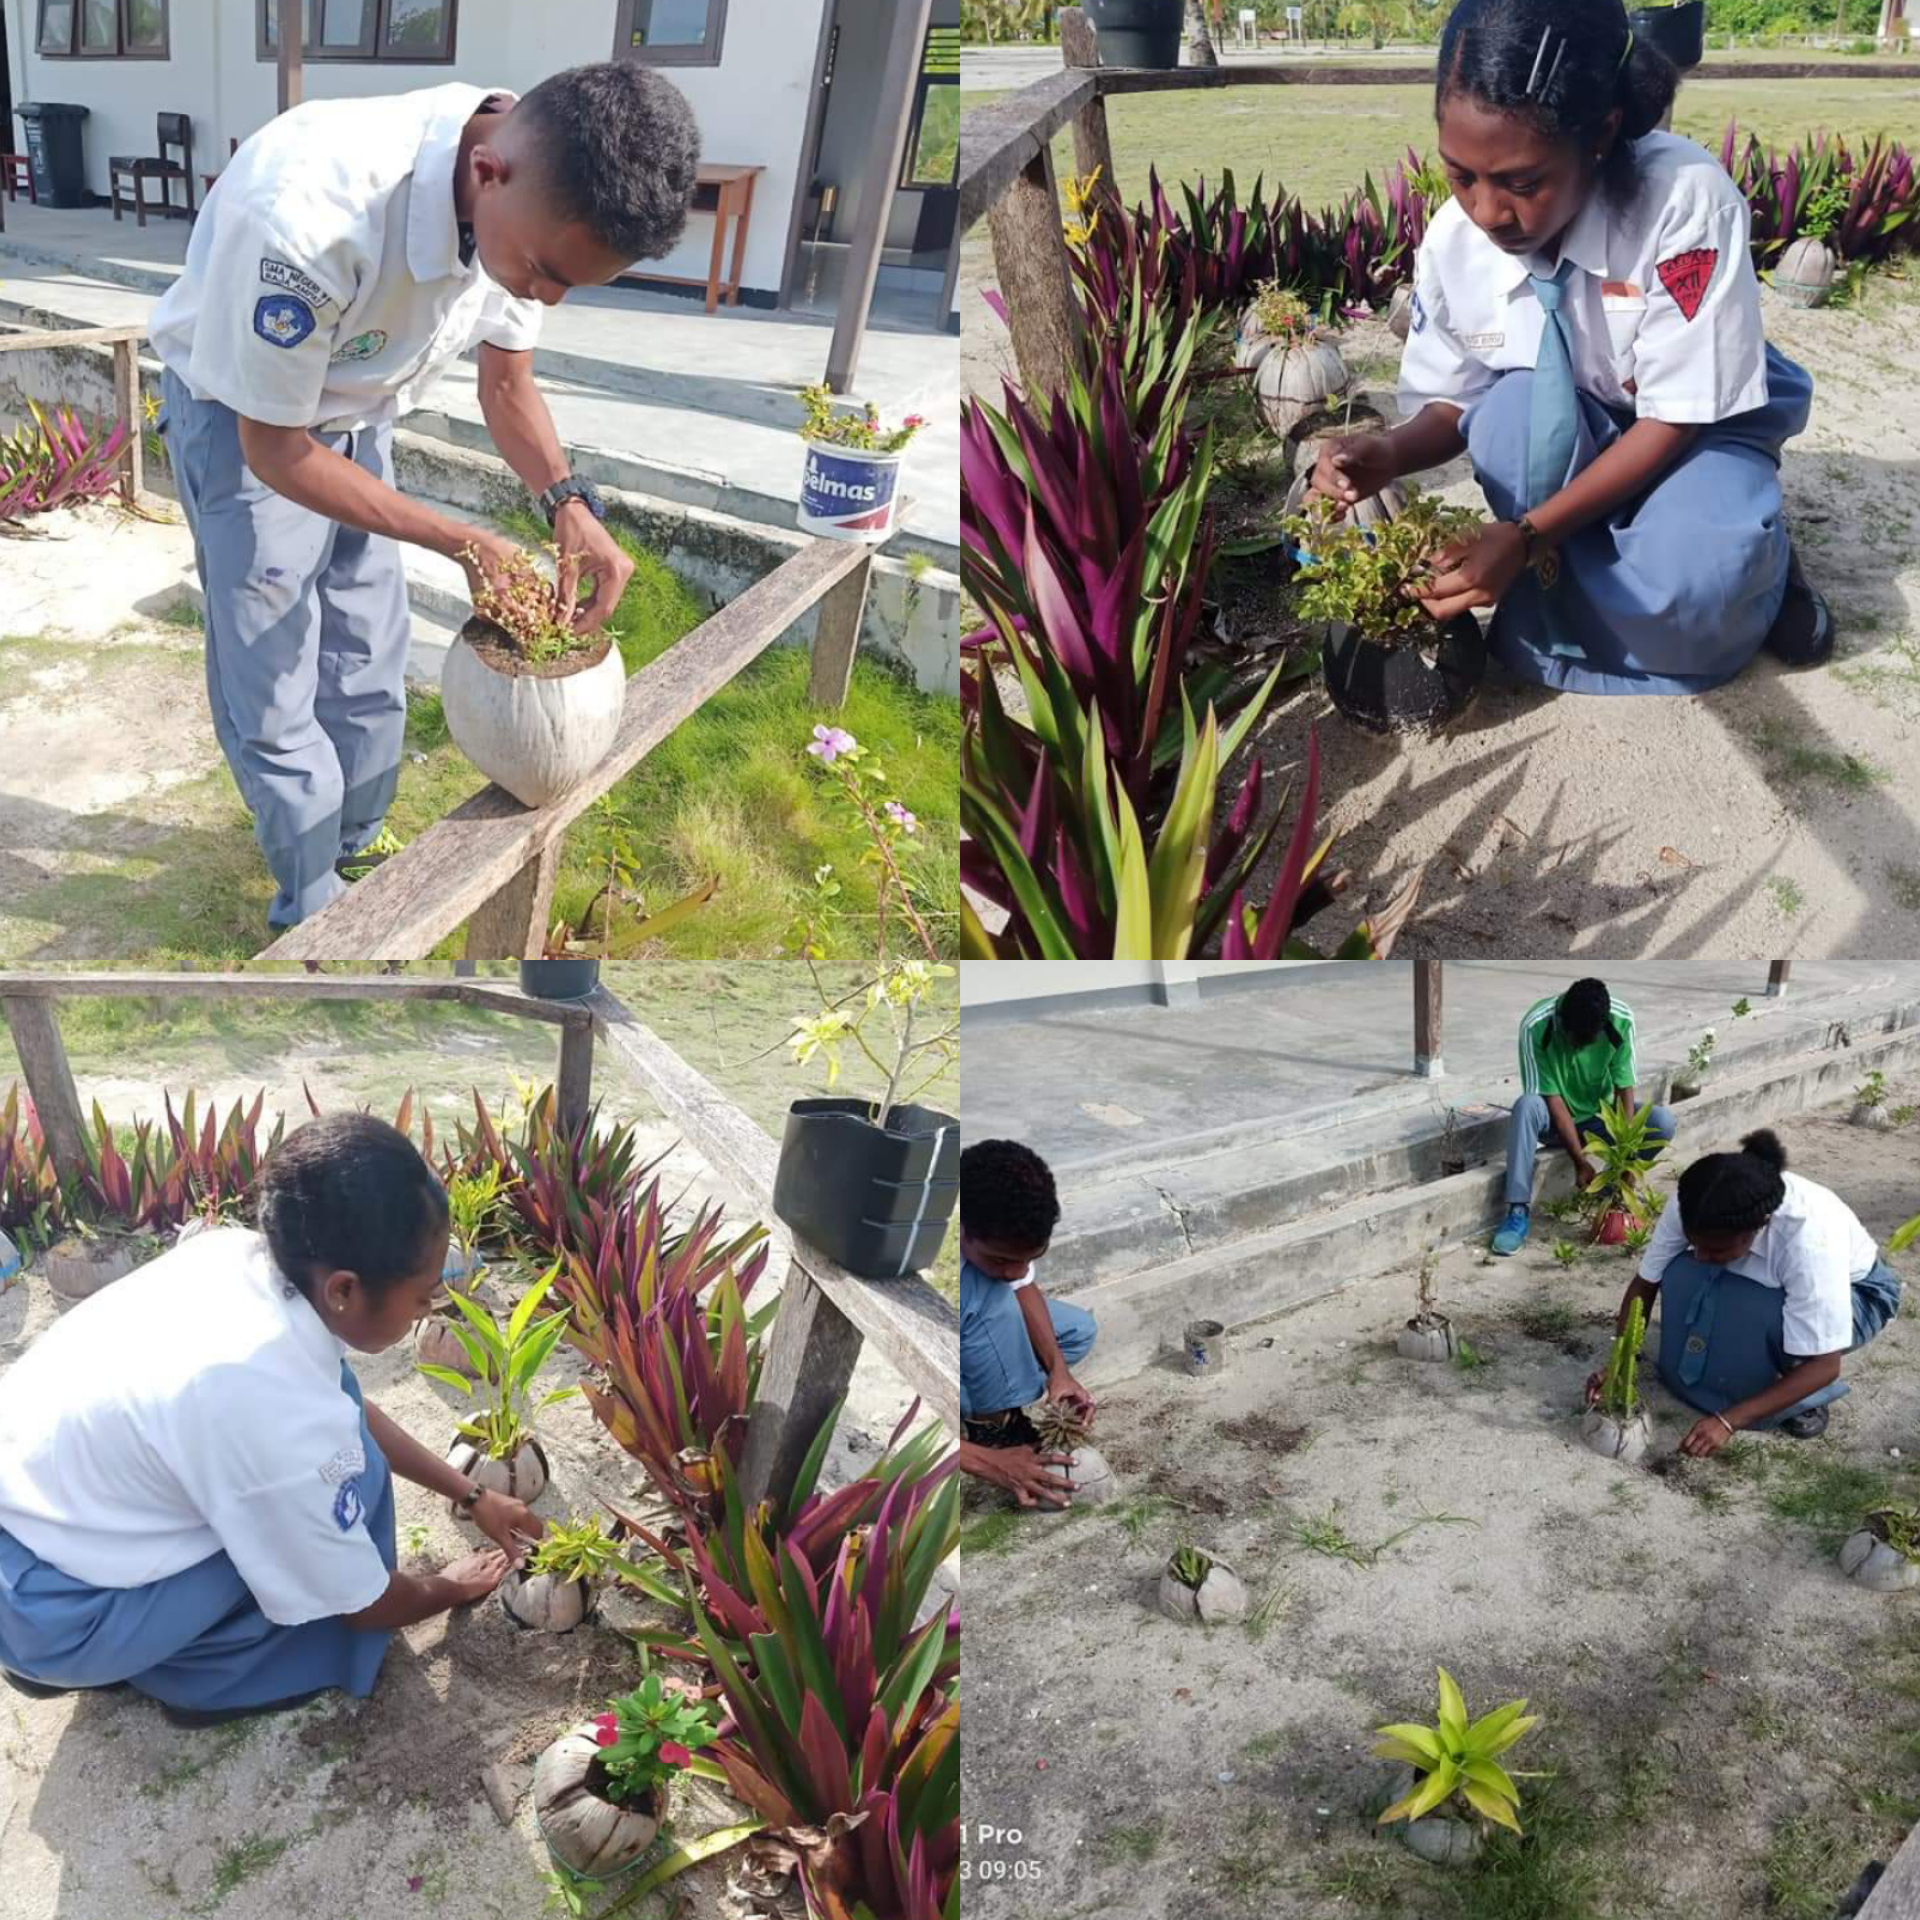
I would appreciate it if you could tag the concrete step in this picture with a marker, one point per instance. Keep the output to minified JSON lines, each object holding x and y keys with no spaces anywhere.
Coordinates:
{"x":1132,"y":1211}
{"x":1142,"y":1314}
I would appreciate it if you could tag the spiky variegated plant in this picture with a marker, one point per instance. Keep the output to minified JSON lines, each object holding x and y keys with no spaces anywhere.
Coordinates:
{"x":1190,"y":1567}
{"x":65,"y":464}
{"x":1458,"y":1759}
{"x":1619,"y":1385}
{"x":1061,"y":1426}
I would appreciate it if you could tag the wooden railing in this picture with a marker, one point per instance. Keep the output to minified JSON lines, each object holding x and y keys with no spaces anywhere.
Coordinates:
{"x":125,"y":342}
{"x":826,"y":1314}
{"x":1006,"y":162}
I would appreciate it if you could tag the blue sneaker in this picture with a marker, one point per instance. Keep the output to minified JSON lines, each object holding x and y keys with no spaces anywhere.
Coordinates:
{"x":1513,"y":1230}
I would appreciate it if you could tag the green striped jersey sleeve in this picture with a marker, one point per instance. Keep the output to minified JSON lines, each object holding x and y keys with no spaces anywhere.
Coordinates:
{"x":1626,"y":1067}
{"x":1534,"y":1024}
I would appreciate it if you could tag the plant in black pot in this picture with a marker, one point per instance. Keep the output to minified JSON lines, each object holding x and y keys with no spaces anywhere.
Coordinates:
{"x":1387,"y":665}
{"x":1137,"y":33}
{"x":873,"y":1182}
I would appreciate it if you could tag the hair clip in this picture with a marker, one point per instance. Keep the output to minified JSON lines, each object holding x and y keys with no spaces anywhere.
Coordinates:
{"x":1534,"y":82}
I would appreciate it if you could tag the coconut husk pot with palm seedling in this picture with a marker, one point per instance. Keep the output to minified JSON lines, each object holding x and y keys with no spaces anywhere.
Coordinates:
{"x":472,"y":1201}
{"x":601,"y":1791}
{"x":1061,"y":1427}
{"x":1387,"y":665}
{"x":496,"y":1447}
{"x":1616,"y":1424}
{"x":1429,"y":1334}
{"x":556,"y":1587}
{"x":1870,"y":1103}
{"x":1458,"y":1792}
{"x":531,"y":701}
{"x":1200,"y":1586}
{"x":1299,"y":378}
{"x":1884,"y":1551}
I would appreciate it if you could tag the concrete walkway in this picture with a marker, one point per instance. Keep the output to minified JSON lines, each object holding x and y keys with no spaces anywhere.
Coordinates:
{"x":694,"y":407}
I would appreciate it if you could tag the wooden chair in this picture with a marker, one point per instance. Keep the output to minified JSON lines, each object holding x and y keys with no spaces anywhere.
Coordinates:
{"x":174,"y":130}
{"x":207,"y":179}
{"x":16,"y":170}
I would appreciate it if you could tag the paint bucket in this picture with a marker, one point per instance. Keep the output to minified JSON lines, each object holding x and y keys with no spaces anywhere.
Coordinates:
{"x":1206,"y":1345}
{"x":847,"y":493}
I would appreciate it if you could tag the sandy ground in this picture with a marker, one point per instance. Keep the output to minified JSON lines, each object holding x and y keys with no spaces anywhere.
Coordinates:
{"x":1724,"y":1712}
{"x":1777,"y":815}
{"x":369,"y":1808}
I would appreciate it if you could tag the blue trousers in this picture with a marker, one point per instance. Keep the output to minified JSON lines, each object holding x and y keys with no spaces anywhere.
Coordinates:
{"x":307,"y":632}
{"x":1673,"y":592}
{"x":1530,"y":1127}
{"x":196,"y":1638}
{"x":998,"y":1368}
{"x":1721,"y":1334}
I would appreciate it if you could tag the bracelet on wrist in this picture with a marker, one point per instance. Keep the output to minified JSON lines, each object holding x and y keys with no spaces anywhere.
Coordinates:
{"x":1725,"y":1422}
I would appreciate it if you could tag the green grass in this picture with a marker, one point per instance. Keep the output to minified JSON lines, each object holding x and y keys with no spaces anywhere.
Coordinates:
{"x":240,"y":1862}
{"x":1550,"y":1872}
{"x":1118,"y":1844}
{"x":185,"y":615}
{"x":1548,"y":1320}
{"x":993,"y":1532}
{"x":1797,"y":761}
{"x":1812,"y":1859}
{"x":1788,"y":895}
{"x":1828,"y":1493}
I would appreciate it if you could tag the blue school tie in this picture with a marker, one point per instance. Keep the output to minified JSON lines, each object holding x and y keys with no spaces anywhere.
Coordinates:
{"x":1554,"y":416}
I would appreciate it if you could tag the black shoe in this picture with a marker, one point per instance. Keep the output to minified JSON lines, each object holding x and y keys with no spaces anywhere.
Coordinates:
{"x":39,"y":1690}
{"x":219,"y":1716}
{"x":1805,"y":1426}
{"x":1009,"y":1429}
{"x":1802,"y":631}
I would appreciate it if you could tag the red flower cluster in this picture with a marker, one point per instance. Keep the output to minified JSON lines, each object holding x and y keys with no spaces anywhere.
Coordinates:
{"x":674,"y":1754}
{"x":606,"y":1730}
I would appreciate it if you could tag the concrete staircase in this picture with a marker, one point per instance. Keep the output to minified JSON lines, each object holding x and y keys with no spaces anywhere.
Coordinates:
{"x":1273,"y":1217}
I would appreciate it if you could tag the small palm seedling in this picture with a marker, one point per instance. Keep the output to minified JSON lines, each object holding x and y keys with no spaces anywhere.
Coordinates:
{"x":1199,"y":1586}
{"x":554,"y":1590}
{"x":1458,"y":1775}
{"x":1429,"y":1334}
{"x":1884,"y":1553}
{"x":1616,"y":1424}
{"x":497,"y":1445}
{"x":1060,"y":1426}
{"x":1869,"y":1101}
{"x":1566,"y":1253}
{"x":1190,"y":1567}
{"x":1638,"y":1238}
{"x":1616,"y":1197}
{"x":472,"y":1199}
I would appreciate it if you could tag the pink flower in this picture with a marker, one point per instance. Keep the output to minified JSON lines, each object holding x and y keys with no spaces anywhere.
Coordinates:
{"x":674,"y":1754}
{"x":415,"y":1882}
{"x":606,"y":1730}
{"x":901,"y":817}
{"x":914,"y":420}
{"x":829,"y":743}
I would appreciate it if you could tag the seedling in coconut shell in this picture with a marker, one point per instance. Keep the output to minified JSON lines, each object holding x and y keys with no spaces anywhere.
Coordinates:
{"x":1197,"y":1586}
{"x":1061,"y":1427}
{"x":525,"y":606}
{"x":1298,"y":374}
{"x":554,"y":1591}
{"x":1617,"y":1424}
{"x":1458,"y":1787}
{"x":1869,"y":1101}
{"x":1429,"y":1334}
{"x":497,"y":1446}
{"x":1885,"y":1552}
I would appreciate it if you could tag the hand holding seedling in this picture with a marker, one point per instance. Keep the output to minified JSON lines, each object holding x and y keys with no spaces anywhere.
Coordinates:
{"x":1034,"y":1479}
{"x":589,"y":557}
{"x":491,"y":562}
{"x":511,"y":1524}
{"x":1062,"y":1386}
{"x":1475,"y":572}
{"x":1353,"y":469}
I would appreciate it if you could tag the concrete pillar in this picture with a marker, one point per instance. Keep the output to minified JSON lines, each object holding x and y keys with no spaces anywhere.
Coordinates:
{"x":1427,"y":1061}
{"x":1177,"y":983}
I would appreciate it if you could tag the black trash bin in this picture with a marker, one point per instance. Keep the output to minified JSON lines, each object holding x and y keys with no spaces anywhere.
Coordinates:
{"x":54,"y":152}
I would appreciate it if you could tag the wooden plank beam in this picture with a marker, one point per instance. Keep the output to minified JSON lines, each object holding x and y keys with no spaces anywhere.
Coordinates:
{"x":126,"y":407}
{"x":69,"y":337}
{"x":292,"y":54}
{"x":35,"y":1026}
{"x":998,"y":142}
{"x":410,"y":903}
{"x":490,"y":996}
{"x":1092,"y":146}
{"x":573,"y":1090}
{"x":513,"y":924}
{"x":1036,"y":278}
{"x":914,"y":1327}
{"x":1428,"y":1060}
{"x":810,"y":1357}
{"x":837,"y":639}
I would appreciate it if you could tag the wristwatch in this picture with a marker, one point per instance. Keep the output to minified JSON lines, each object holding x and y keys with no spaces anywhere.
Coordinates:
{"x":1541,"y":558}
{"x":1530,"y":534}
{"x":557,"y":496}
{"x":465,"y":1505}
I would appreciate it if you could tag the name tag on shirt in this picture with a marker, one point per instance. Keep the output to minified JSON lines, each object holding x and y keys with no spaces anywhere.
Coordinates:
{"x":1482,"y":342}
{"x":1620,"y":290}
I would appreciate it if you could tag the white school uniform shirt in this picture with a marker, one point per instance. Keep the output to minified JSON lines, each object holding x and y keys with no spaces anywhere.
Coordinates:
{"x":1814,"y":1248}
{"x":193,"y":1406}
{"x":324,"y":286}
{"x":1663,"y":315}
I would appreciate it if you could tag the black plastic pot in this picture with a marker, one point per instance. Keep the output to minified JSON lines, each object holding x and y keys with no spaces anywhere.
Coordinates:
{"x":1406,"y":688}
{"x":1137,"y":33}
{"x":1678,"y":32}
{"x":559,"y":979}
{"x":877,"y":1202}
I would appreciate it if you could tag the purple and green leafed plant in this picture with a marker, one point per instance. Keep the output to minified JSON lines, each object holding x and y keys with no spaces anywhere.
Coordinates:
{"x":31,"y":1200}
{"x":163,"y":1179}
{"x":1882,"y":196}
{"x":661,"y":1315}
{"x":62,"y":465}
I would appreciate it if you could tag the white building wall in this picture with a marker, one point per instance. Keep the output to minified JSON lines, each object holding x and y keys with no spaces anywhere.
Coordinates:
{"x":984,"y":983}
{"x":751,"y":108}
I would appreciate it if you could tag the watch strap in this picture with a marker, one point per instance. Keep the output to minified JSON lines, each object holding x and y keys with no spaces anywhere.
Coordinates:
{"x":465,"y":1505}
{"x":557,"y":496}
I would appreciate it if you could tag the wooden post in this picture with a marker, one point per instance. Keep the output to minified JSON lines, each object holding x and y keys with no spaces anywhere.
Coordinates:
{"x":1427,"y":1062}
{"x":886,"y":151}
{"x":43,"y":1061}
{"x":810,"y":1358}
{"x":1777,"y":975}
{"x":513,"y":924}
{"x":1092,"y":147}
{"x":1036,"y":280}
{"x":573,"y":1092}
{"x":836,"y":639}
{"x":126,"y":403}
{"x":293,"y":73}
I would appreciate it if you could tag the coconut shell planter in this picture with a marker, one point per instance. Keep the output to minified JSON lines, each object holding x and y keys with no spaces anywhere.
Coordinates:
{"x":1427,"y":1336}
{"x":1804,"y":275}
{"x":523,"y":1476}
{"x":1059,"y":1429}
{"x":546,"y":1602}
{"x":1198,"y":1587}
{"x":1624,"y":1440}
{"x":1876,"y":1555}
{"x":1875,"y":1117}
{"x":77,"y":1268}
{"x":586,"y":1832}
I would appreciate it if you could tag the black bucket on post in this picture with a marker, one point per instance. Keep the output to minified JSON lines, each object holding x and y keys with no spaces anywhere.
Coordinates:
{"x":876,"y":1201}
{"x":1137,"y":33}
{"x":559,"y":979}
{"x":1679,"y":32}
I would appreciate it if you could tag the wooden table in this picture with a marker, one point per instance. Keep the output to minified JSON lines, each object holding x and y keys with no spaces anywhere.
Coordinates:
{"x":726,"y":192}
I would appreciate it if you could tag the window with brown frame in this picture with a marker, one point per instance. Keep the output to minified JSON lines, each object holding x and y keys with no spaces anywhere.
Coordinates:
{"x":932,"y":158}
{"x":670,"y":33}
{"x":394,"y":32}
{"x":103,"y":29}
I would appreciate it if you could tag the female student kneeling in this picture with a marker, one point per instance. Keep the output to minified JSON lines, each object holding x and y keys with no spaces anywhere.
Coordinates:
{"x":1586,"y":326}
{"x":1764,"y":1280}
{"x":195,"y":1501}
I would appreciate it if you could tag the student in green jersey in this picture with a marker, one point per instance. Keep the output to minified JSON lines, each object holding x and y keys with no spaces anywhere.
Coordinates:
{"x":1576,"y":1054}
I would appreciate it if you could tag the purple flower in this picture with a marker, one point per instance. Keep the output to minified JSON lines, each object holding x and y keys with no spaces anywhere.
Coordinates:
{"x":829,"y":743}
{"x":901,"y":817}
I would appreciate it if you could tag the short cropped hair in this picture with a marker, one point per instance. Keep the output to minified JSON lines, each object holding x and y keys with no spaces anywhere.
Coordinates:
{"x":1007,"y":1194}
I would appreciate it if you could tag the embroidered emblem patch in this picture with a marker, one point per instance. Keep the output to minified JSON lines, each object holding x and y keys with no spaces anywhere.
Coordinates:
{"x":281,"y":320}
{"x":347,"y":1507}
{"x":1686,"y":276}
{"x":363,"y":346}
{"x":289,"y":279}
{"x":344,"y":1465}
{"x":1418,"y":312}
{"x":1695,"y":1344}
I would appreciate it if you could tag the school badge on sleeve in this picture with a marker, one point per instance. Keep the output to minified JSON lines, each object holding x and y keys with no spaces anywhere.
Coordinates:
{"x":348,"y":1508}
{"x":283,"y":319}
{"x":1686,"y":277}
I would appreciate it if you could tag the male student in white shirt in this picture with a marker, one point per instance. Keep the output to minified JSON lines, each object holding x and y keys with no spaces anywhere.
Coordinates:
{"x":195,"y":1500}
{"x":349,"y":252}
{"x":1764,"y":1281}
